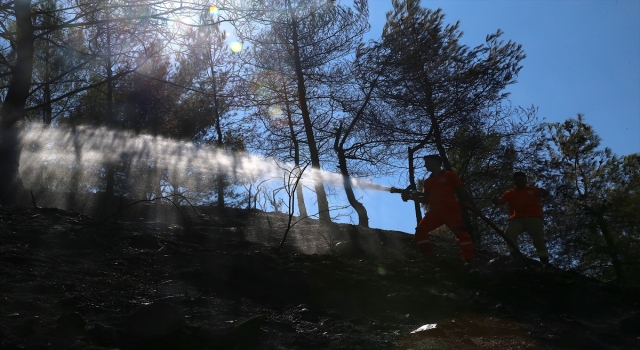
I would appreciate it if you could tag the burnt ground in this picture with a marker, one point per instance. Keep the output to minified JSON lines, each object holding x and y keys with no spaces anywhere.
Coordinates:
{"x":215,"y":281}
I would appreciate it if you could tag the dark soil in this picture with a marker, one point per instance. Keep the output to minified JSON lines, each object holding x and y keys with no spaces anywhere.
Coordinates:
{"x":216,"y":281}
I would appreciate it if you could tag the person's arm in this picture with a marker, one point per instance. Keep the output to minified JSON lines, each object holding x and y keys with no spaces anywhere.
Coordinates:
{"x":418,"y":197}
{"x":499,"y":201}
{"x":544,"y":193}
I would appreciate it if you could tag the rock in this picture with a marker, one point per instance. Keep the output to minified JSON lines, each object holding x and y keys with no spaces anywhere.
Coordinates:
{"x":631,"y":324}
{"x":79,"y":345}
{"x":349,"y":249}
{"x":42,"y":288}
{"x":103,"y":335}
{"x":240,"y":335}
{"x":30,"y":327}
{"x":153,"y":321}
{"x":69,"y":303}
{"x":578,"y":339}
{"x":247,"y":329}
{"x":144,"y":241}
{"x":70,"y":322}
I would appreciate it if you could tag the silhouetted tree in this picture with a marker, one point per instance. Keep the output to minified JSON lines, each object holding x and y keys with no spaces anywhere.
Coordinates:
{"x":56,"y":64}
{"x":273,"y":96}
{"x":593,"y":189}
{"x":354,"y":93}
{"x":438,"y":83}
{"x":312,"y":34}
{"x":19,"y":61}
{"x":113,"y":31}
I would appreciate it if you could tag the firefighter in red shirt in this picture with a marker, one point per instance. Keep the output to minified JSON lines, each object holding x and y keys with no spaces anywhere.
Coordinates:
{"x":525,"y":214}
{"x":441,"y":192}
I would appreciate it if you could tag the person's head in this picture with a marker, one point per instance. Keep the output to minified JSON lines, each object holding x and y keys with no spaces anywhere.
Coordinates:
{"x":520,"y":179}
{"x":433,"y":162}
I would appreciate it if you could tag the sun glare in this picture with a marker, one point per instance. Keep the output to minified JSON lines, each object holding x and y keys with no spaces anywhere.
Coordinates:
{"x":236,"y":46}
{"x":178,"y":25}
{"x":275,"y":112}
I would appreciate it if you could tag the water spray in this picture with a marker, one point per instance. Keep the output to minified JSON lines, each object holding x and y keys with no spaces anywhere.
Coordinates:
{"x":76,"y":160}
{"x":368,"y":185}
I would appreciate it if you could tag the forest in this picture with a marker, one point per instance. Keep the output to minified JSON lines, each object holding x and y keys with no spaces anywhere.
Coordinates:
{"x":194,"y":102}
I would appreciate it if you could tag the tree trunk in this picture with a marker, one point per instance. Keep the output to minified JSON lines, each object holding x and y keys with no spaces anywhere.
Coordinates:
{"x":219,"y":142}
{"x":110,"y":171}
{"x":302,"y":208}
{"x":412,"y":184}
{"x":611,"y":248}
{"x":47,"y":109}
{"x":412,"y":171}
{"x":363,"y":218}
{"x":323,"y":203}
{"x":156,"y":182}
{"x":72,"y":196}
{"x":12,"y":189}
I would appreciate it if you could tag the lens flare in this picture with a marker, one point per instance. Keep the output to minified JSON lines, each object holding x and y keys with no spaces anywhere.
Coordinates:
{"x":236,"y":46}
{"x":263,"y":91}
{"x":275,"y":112}
{"x":214,"y":11}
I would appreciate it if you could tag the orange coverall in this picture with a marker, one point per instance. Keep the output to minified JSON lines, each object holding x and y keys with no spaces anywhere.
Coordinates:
{"x":525,"y":214}
{"x":444,"y":209}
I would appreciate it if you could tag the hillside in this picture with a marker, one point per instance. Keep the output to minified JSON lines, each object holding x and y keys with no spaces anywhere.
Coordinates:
{"x":215,"y":281}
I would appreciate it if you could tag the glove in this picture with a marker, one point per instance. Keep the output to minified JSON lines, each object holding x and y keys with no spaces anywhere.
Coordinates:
{"x":404,"y":196}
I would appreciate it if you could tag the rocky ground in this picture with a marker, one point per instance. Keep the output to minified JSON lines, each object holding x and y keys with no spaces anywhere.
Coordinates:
{"x":216,"y":281}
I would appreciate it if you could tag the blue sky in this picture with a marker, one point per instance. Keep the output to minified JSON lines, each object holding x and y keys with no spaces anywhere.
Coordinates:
{"x":583,"y":56}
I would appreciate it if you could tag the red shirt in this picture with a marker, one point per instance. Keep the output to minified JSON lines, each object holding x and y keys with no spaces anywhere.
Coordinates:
{"x":523,"y":202}
{"x":441,"y":189}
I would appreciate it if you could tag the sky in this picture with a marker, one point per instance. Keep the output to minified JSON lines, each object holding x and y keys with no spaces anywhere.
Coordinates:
{"x":583,"y":56}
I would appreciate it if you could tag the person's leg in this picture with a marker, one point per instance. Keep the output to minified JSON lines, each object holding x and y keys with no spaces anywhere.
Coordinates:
{"x":453,"y":220}
{"x":429,"y":222}
{"x":513,"y":230}
{"x":535,"y":229}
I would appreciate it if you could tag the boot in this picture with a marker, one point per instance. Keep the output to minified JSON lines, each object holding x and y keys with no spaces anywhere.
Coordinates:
{"x":544,"y":260}
{"x":516,"y":260}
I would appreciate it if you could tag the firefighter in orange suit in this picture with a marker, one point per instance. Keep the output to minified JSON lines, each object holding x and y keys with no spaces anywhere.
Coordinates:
{"x":441,"y":191}
{"x":525,"y":214}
